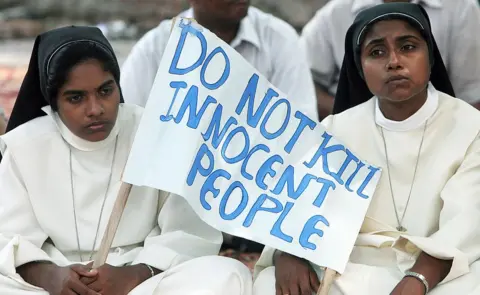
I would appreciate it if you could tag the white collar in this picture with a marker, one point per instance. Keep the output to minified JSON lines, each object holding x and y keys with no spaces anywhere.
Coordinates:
{"x":415,"y":120}
{"x":359,"y":5}
{"x":245,"y":33}
{"x":80,"y":143}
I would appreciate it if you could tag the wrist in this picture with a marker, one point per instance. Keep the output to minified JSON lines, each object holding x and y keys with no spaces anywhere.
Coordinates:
{"x":414,"y":286}
{"x":38,"y":273}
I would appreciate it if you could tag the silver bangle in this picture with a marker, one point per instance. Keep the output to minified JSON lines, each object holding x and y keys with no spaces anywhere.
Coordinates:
{"x":151,"y":270}
{"x":419,"y":277}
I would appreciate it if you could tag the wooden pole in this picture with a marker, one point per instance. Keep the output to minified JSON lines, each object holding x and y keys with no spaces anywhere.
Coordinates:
{"x":327,"y":281}
{"x":112,"y":225}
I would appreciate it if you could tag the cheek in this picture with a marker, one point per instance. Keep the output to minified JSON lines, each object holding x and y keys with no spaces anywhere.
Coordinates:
{"x":372,"y":76}
{"x":420,"y":69}
{"x":71,"y":116}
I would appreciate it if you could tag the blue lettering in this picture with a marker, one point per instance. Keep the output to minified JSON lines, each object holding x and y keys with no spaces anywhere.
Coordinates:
{"x":249,"y":95}
{"x":276,"y":229}
{"x":323,"y":152}
{"x":287,"y":179}
{"x":282,"y":128}
{"x":266,"y":169}
{"x":243,"y":170}
{"x":350,"y":179}
{"x":177,"y":85}
{"x":309,"y":230}
{"x":190,"y":103}
{"x":208,"y":186}
{"x":197,"y":164}
{"x":369,"y":177}
{"x":304,"y":122}
{"x":226,"y":197}
{"x":214,"y":127}
{"x":327,"y":185}
{"x":350,"y":157}
{"x":241,"y":155}
{"x":188,"y":28}
{"x":225,"y":74}
{"x":258,"y":206}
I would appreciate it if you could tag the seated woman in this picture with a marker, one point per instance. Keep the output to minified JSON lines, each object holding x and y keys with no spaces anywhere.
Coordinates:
{"x":67,"y":143}
{"x":395,"y":108}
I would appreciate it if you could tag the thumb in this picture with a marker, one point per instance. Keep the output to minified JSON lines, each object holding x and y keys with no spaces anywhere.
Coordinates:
{"x":84,"y":270}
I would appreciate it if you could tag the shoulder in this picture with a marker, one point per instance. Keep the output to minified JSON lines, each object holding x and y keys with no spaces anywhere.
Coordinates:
{"x":458,"y":112}
{"x":156,"y":39}
{"x":34,"y":132}
{"x":352,"y":117}
{"x":270,"y":27}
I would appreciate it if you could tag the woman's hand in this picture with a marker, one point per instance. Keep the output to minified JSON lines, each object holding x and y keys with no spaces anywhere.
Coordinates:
{"x":112,"y":280}
{"x":409,"y":286}
{"x":58,"y":280}
{"x":294,"y":276}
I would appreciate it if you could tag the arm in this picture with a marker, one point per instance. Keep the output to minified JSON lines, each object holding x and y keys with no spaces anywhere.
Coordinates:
{"x":463,"y":60}
{"x":448,"y":253}
{"x":317,"y":41}
{"x":182,"y":236}
{"x":140,"y":67}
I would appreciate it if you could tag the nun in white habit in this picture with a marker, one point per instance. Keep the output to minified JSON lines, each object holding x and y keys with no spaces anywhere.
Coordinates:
{"x":396,"y":108}
{"x":66,"y":145}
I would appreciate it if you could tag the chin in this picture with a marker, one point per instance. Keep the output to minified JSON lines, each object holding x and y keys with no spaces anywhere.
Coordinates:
{"x":97,"y":136}
{"x":399,"y":95}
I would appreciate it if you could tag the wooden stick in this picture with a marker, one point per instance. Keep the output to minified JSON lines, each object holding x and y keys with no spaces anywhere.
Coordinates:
{"x":112,"y":225}
{"x":327,"y":281}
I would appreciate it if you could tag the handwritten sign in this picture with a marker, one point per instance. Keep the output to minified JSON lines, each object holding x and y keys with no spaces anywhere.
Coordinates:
{"x":247,"y":160}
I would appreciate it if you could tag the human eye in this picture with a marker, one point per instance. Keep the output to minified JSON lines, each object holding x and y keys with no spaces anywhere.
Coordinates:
{"x":408,"y":47}
{"x":106,"y":91}
{"x":75,"y":98}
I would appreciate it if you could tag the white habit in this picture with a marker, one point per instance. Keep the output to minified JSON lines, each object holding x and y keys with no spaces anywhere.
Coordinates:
{"x":443,"y":215}
{"x":159,"y":229}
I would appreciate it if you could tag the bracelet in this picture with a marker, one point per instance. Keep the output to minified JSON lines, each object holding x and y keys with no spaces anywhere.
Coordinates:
{"x":419,"y":277}
{"x":151,"y":270}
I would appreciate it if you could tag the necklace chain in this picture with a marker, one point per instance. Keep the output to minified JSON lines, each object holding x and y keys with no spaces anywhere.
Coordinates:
{"x":400,"y":220}
{"x":103,"y":203}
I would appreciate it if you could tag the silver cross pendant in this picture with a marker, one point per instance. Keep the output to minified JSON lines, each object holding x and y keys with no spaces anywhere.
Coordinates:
{"x":401,"y":228}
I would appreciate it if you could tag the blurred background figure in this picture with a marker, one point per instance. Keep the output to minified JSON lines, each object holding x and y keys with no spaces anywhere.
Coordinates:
{"x":455,"y":25}
{"x":3,"y":121}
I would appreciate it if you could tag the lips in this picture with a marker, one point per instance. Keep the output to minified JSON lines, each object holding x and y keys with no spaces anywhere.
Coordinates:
{"x":98,"y":125}
{"x":396,"y":78}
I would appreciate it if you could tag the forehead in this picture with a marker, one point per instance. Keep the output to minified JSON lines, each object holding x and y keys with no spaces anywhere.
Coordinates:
{"x":386,"y":29}
{"x":87,"y":74}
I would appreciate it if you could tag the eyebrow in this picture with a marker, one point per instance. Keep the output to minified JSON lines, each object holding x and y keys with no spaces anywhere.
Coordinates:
{"x":398,"y":39}
{"x":77,"y":92}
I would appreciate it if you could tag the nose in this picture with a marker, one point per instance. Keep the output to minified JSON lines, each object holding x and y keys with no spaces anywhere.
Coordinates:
{"x":94,"y":108}
{"x":393,"y":61}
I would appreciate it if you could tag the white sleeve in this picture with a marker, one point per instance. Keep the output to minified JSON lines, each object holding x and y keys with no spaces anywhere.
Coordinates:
{"x":458,"y":236}
{"x":140,"y":68}
{"x":317,"y":43}
{"x":21,"y":236}
{"x":183,"y":236}
{"x":291,"y":73}
{"x":464,"y":51}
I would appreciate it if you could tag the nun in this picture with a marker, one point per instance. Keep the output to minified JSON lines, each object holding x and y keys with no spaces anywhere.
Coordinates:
{"x":66,"y":145}
{"x":396,"y":108}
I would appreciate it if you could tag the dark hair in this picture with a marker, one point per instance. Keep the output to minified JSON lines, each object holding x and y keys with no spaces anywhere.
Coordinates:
{"x":68,"y":57}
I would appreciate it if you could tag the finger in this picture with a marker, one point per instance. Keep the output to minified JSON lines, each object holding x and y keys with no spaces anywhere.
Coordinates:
{"x":83,"y":270}
{"x":80,"y":288}
{"x":278,"y":289}
{"x":294,"y":289}
{"x":97,"y":285}
{"x":304,"y":286}
{"x":87,"y":281}
{"x":314,"y":281}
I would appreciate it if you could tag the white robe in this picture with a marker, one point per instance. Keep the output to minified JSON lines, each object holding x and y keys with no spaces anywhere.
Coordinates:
{"x":157,"y":228}
{"x":443,"y":216}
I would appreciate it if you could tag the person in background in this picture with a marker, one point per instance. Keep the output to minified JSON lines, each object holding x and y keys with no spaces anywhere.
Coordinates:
{"x":266,"y":42}
{"x":66,"y":145}
{"x":421,"y":232}
{"x":455,"y":25}
{"x":3,"y":121}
